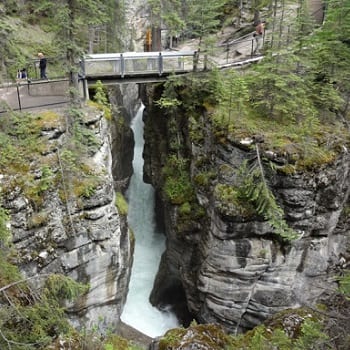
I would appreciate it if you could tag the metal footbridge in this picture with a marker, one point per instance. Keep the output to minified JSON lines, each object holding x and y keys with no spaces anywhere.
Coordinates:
{"x":136,"y":66}
{"x":143,"y":67}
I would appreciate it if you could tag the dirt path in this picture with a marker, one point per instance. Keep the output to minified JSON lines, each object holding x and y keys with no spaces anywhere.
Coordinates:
{"x":316,"y":10}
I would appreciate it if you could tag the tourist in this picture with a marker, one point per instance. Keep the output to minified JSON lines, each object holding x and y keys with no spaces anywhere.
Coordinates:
{"x":42,"y":65}
{"x":259,"y":37}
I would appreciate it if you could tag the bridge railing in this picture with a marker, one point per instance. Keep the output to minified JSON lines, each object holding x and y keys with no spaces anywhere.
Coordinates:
{"x":137,"y":63}
{"x":25,"y":95}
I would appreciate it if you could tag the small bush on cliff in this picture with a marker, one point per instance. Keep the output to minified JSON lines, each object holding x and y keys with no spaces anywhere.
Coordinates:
{"x":114,"y":342}
{"x":256,"y":190}
{"x":8,"y":272}
{"x":296,"y":329}
{"x":121,"y":204}
{"x":177,"y":184}
{"x":344,"y":284}
{"x":32,"y":314}
{"x":101,"y":100}
{"x":4,"y":231}
{"x":206,"y":337}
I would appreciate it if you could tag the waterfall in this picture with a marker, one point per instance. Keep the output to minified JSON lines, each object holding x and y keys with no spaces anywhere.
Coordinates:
{"x":149,"y":246}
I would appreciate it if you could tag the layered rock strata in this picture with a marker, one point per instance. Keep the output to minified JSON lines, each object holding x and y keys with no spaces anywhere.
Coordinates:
{"x":232,"y":269}
{"x":85,"y":239}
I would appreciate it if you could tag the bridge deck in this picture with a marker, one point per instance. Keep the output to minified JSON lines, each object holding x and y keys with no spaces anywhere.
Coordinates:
{"x":127,"y":64}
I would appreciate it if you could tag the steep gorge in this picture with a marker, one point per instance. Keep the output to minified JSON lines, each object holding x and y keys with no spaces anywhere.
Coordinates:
{"x":82,"y":236}
{"x":229,"y":268}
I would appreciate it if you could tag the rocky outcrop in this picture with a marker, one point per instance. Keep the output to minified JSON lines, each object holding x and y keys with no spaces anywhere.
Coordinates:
{"x":85,"y":238}
{"x":123,"y":97}
{"x":232,"y":269}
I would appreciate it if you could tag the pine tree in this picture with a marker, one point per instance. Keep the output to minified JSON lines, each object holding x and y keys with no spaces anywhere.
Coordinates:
{"x":203,"y":18}
{"x":330,"y":59}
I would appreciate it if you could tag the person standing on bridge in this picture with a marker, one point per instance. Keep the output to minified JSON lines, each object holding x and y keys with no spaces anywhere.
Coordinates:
{"x":42,"y":65}
{"x":259,"y":37}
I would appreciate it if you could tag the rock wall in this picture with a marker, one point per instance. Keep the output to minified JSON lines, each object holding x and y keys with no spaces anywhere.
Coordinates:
{"x":125,"y":99}
{"x":233,"y":270}
{"x":84,"y":239}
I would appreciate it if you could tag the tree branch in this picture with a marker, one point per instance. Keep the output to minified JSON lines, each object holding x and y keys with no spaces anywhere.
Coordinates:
{"x":22,"y":281}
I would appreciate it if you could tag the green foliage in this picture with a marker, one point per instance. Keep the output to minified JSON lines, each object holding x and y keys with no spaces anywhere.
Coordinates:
{"x":170,"y":96}
{"x":8,"y":272}
{"x":60,"y":288}
{"x":209,"y":336}
{"x":32,"y":317}
{"x":203,"y":18}
{"x":86,"y":140}
{"x":177,"y":184}
{"x":281,"y":340}
{"x":100,"y":94}
{"x":306,"y":333}
{"x":114,"y":342}
{"x":121,"y":204}
{"x":256,"y":190}
{"x":168,"y":103}
{"x":5,"y":234}
{"x":23,"y":148}
{"x":204,"y":179}
{"x":312,"y":336}
{"x":234,"y":96}
{"x":167,"y":13}
{"x":258,"y":341}
{"x":185,"y":209}
{"x":101,"y":98}
{"x":231,"y":202}
{"x":35,"y":188}
{"x":278,"y":91}
{"x":344,"y":284}
{"x":330,"y":59}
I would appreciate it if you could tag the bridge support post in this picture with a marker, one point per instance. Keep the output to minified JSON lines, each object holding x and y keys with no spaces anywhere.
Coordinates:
{"x":122,"y":65}
{"x":160,"y":63}
{"x":85,"y":90}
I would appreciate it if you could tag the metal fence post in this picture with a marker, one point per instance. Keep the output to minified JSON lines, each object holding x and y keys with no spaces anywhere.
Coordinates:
{"x":19,"y":98}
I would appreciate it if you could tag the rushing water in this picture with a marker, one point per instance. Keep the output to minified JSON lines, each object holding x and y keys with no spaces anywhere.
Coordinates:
{"x":138,"y":312}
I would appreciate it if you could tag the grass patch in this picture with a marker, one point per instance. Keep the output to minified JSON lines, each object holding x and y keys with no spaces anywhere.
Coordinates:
{"x":304,"y":144}
{"x":31,"y":162}
{"x":121,"y":204}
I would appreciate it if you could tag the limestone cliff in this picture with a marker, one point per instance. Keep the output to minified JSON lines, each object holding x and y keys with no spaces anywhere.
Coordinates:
{"x":80,"y":235}
{"x":231,"y":268}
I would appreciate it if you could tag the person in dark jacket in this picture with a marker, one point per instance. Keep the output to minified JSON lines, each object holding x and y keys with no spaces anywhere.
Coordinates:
{"x":42,"y":65}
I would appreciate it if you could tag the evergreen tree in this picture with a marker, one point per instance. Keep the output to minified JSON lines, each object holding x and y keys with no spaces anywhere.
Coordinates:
{"x":5,"y":35}
{"x":70,"y":20}
{"x":72,"y":15}
{"x":203,"y":19}
{"x":116,"y":27}
{"x":330,"y":59}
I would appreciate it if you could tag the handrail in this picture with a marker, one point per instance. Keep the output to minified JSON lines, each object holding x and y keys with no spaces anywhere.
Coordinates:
{"x":137,"y":63}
